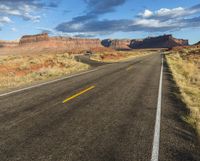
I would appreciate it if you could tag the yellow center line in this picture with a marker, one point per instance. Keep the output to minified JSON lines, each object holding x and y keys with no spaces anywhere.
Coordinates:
{"x":78,"y":94}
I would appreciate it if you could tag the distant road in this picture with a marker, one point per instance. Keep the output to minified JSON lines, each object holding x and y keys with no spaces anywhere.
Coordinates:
{"x":108,"y":114}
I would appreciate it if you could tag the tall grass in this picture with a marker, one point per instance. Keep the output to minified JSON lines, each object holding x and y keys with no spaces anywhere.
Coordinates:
{"x":186,"y":72}
{"x":115,"y":56}
{"x":20,"y":70}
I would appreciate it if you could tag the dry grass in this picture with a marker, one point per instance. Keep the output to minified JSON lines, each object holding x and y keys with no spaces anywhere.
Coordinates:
{"x":185,"y":68}
{"x":115,"y":56}
{"x":17,"y":70}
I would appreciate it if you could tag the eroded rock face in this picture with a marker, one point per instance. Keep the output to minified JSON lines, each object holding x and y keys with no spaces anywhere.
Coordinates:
{"x":106,"y":42}
{"x":75,"y":43}
{"x":8,"y":43}
{"x":67,"y":43}
{"x":165,"y":41}
{"x":121,"y":44}
{"x":117,"y":43}
{"x":34,"y":38}
{"x":198,"y":43}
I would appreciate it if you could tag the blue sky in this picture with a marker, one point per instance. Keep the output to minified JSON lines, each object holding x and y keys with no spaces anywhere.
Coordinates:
{"x":100,"y":18}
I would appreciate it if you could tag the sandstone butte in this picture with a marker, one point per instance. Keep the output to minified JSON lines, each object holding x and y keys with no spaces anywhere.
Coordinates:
{"x":69,"y":44}
{"x":165,"y":41}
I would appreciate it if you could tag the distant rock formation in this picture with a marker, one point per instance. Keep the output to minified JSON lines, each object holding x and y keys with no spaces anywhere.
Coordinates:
{"x":74,"y":43}
{"x":198,"y":43}
{"x":165,"y":41}
{"x":42,"y":43}
{"x":43,"y":40}
{"x":34,"y":38}
{"x":106,"y":42}
{"x":8,"y":43}
{"x":116,"y":43}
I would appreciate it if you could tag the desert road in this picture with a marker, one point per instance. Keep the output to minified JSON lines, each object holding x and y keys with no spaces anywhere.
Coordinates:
{"x":123,"y":111}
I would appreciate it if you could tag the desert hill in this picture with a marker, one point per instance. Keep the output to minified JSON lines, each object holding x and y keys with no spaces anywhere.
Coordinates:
{"x":43,"y":43}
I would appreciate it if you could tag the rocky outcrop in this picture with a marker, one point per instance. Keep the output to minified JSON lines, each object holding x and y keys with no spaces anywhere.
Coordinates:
{"x":117,"y":43}
{"x":42,"y":43}
{"x":67,"y":44}
{"x":34,"y":38}
{"x":121,"y":44}
{"x":198,"y":43}
{"x":106,"y":42}
{"x":8,"y":43}
{"x":77,"y":43}
{"x":165,"y":41}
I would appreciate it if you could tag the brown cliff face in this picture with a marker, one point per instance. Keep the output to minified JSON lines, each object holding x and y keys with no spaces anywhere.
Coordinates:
{"x":75,"y":43}
{"x":117,"y":43}
{"x":34,"y":38}
{"x":198,"y":43}
{"x":8,"y":43}
{"x":165,"y":41}
{"x":121,"y":44}
{"x":64,"y":43}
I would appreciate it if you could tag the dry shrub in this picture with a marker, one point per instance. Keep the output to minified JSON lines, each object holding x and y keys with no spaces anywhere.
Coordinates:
{"x":20,"y":70}
{"x":115,"y":56}
{"x":186,"y":71}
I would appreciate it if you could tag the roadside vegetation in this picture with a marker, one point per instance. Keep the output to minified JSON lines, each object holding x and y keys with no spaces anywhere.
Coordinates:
{"x":115,"y":56}
{"x":185,"y":66}
{"x":21,"y":69}
{"x":18,"y":70}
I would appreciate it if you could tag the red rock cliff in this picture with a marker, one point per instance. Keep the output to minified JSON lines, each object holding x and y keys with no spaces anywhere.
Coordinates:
{"x":66,"y":43}
{"x":165,"y":41}
{"x":8,"y":43}
{"x":117,"y":43}
{"x":34,"y":38}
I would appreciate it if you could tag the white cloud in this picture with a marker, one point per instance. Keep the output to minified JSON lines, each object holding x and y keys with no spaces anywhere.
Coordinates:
{"x":147,"y":22}
{"x":4,"y":20}
{"x":25,"y":11}
{"x":147,"y":13}
{"x":175,"y":12}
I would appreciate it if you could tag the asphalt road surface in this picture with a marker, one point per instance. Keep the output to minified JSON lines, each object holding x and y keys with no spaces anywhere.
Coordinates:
{"x":108,"y":114}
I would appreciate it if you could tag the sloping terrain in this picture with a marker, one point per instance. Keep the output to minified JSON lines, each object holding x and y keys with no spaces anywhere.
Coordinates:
{"x":17,"y":70}
{"x":185,"y":66}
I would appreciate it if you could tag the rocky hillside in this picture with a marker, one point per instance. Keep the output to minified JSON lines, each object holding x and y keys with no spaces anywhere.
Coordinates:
{"x":165,"y":41}
{"x":117,"y":43}
{"x":34,"y":38}
{"x":8,"y":43}
{"x":65,"y":42}
{"x":42,"y":43}
{"x":198,"y":43}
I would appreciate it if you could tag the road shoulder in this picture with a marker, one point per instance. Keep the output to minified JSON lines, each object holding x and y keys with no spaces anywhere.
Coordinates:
{"x":178,"y":139}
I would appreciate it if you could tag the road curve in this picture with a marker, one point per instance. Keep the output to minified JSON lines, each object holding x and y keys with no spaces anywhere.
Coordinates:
{"x":109,"y":115}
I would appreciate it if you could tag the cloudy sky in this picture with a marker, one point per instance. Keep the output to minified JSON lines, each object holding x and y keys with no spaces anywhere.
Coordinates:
{"x":100,"y":18}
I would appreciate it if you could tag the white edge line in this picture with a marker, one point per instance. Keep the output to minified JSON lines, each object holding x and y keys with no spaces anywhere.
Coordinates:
{"x":49,"y":82}
{"x":156,"y":139}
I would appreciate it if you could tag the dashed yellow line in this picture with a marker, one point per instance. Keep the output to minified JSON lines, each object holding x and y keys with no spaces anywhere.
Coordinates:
{"x":78,"y":94}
